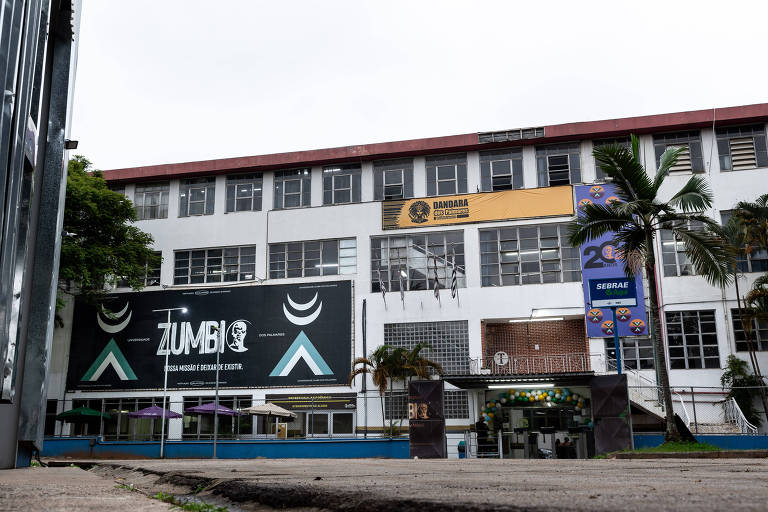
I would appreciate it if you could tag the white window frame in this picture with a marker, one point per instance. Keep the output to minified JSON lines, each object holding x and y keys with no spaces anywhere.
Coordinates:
{"x":401,"y":183}
{"x":454,"y":179}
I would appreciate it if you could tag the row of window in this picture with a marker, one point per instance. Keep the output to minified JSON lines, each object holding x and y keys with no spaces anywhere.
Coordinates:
{"x":676,"y":261}
{"x":514,"y":255}
{"x":558,"y":164}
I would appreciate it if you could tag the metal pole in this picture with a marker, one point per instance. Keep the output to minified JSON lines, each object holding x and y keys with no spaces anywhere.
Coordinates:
{"x":501,"y":445}
{"x":219,"y":346}
{"x":165,"y":385}
{"x":616,"y":341}
{"x":693,"y":402}
{"x":365,"y":376}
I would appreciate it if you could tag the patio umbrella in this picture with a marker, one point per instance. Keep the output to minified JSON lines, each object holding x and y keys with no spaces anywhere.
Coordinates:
{"x":268,"y":409}
{"x":81,"y":414}
{"x":154,"y":412}
{"x":210,"y":408}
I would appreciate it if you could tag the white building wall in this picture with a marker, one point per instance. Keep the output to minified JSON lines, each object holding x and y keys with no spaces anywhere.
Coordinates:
{"x":363,"y":220}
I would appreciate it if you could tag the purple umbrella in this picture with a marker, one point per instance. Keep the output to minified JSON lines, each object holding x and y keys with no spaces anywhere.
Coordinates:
{"x":154,"y":412}
{"x":210,"y":408}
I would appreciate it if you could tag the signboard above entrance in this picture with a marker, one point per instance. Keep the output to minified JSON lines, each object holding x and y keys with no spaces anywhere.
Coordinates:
{"x":482,"y":207}
{"x":612,"y":292}
{"x":333,"y":401}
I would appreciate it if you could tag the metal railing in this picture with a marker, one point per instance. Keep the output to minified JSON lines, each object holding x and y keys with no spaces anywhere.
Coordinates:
{"x":686,"y":417}
{"x":733,"y":414}
{"x":528,"y":365}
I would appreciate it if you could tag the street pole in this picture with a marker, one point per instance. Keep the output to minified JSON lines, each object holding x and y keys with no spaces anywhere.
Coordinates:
{"x":616,"y":341}
{"x":165,"y":373}
{"x":219,"y":345}
{"x":165,"y":384}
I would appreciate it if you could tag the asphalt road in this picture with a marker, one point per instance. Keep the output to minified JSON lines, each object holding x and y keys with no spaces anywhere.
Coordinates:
{"x":377,"y":484}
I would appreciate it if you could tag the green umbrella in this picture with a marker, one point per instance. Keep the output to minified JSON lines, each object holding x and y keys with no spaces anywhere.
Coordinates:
{"x":81,"y":414}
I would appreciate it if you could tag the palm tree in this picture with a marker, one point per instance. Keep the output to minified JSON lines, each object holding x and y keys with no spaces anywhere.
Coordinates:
{"x":636,"y":221}
{"x":379,"y":367}
{"x":418,"y":365}
{"x":739,"y":234}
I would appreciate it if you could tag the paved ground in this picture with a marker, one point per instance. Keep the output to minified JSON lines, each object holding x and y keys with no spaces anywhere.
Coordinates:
{"x":376,"y":484}
{"x":65,"y":489}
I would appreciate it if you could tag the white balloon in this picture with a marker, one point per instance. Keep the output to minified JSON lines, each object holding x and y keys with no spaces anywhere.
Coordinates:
{"x":549,"y":399}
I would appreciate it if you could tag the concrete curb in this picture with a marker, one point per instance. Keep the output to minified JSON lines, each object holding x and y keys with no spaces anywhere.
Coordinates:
{"x":723,"y":454}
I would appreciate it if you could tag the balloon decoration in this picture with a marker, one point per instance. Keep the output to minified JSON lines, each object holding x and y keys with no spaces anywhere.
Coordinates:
{"x":515,"y":397}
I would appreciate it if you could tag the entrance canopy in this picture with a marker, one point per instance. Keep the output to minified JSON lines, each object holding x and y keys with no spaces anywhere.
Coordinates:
{"x":511,"y":381}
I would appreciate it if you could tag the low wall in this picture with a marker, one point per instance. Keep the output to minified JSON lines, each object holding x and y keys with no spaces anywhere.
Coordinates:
{"x":94,"y":447}
{"x":726,"y":442}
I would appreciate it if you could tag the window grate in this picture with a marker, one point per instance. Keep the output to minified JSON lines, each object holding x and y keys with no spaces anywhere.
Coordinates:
{"x":510,"y":135}
{"x":742,"y":153}
{"x":448,"y":342}
{"x":759,"y":333}
{"x":683,"y":163}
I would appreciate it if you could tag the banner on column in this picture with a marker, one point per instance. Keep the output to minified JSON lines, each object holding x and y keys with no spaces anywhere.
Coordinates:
{"x":599,"y":260}
{"x":426,"y":420}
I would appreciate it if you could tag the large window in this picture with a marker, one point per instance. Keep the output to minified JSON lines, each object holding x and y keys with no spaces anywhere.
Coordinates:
{"x":151,"y":273}
{"x":151,"y":201}
{"x":675,"y":259}
{"x":293,"y":188}
{"x":341,"y":184}
{"x":558,"y":164}
{"x":690,"y":160}
{"x":692,"y":339}
{"x":636,"y":352}
{"x":446,"y":175}
{"x":623,"y":141}
{"x":759,"y":334}
{"x":393,"y":179}
{"x":244,"y":193}
{"x":226,"y":264}
{"x":448,"y":342}
{"x":317,"y":258}
{"x":742,"y":147}
{"x":756,"y":260}
{"x":196,"y":197}
{"x":501,"y":170}
{"x":528,"y":255}
{"x":410,"y":260}
{"x":122,"y":427}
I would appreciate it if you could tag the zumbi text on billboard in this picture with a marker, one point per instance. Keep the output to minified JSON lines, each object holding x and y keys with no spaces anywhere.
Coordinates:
{"x":277,"y":335}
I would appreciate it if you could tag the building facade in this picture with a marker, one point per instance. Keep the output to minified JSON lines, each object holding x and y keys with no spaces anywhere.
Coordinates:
{"x":355,"y":214}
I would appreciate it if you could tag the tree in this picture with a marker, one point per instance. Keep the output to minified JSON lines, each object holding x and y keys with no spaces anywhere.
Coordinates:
{"x":99,"y":243}
{"x":376,"y":365}
{"x":418,"y":365}
{"x":742,"y":238}
{"x":637,"y":219}
{"x":742,"y":386}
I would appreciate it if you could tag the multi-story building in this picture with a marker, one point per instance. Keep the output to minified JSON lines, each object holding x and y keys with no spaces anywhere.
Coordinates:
{"x":346,"y":214}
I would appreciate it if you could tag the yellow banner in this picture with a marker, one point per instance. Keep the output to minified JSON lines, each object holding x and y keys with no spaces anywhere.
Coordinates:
{"x":481,"y":207}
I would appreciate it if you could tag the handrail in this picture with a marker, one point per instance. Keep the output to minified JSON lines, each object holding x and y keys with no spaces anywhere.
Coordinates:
{"x":685,"y":409}
{"x":734,"y":414}
{"x":522,"y":365}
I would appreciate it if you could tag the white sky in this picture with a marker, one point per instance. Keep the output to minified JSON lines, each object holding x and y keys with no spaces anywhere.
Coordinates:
{"x":163,"y":81}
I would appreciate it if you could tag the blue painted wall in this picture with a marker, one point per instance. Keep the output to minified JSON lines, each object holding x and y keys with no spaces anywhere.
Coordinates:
{"x":727,"y":442}
{"x":94,"y":447}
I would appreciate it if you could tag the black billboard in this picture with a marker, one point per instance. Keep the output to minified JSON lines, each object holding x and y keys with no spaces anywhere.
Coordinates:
{"x":268,"y":335}
{"x":426,"y":420}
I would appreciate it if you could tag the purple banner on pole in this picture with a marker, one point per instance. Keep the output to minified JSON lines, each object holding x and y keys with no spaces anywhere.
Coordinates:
{"x":599,"y":261}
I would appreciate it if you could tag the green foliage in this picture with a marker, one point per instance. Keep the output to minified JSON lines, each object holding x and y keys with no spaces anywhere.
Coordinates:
{"x":99,"y":243}
{"x":194,"y":506}
{"x":678,"y":447}
{"x":736,"y":377}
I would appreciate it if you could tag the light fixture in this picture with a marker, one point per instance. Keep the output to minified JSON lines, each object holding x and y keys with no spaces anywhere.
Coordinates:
{"x":521,"y":385}
{"x":184,"y":310}
{"x":541,"y":319}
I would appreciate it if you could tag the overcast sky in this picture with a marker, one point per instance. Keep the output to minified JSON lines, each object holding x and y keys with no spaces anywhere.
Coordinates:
{"x":173,"y":81}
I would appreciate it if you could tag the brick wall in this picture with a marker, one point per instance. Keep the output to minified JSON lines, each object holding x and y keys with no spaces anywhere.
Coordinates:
{"x":520,"y":339}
